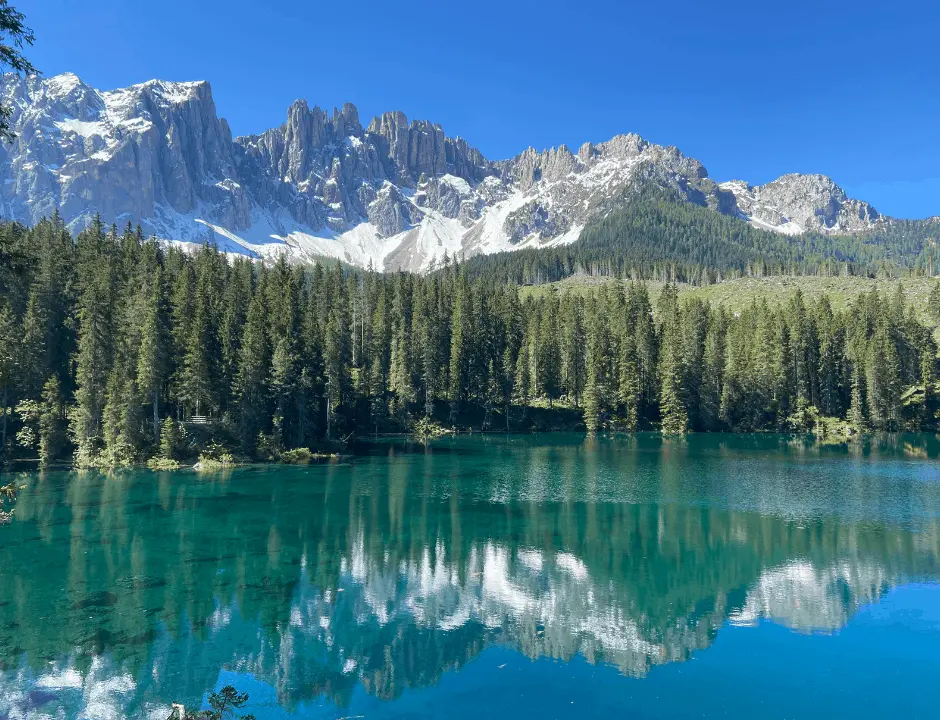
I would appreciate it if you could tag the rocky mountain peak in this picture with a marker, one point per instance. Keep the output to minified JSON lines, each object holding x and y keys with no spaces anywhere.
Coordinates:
{"x":395,"y":194}
{"x":797,"y":202}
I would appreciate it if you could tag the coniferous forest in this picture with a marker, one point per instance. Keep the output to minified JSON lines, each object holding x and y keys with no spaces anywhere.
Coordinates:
{"x":115,"y":350}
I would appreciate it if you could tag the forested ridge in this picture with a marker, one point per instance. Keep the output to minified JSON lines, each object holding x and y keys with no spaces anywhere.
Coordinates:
{"x":653,"y":234}
{"x":115,"y":349}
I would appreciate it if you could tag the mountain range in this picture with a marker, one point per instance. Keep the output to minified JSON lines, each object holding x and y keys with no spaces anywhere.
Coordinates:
{"x":390,"y":194}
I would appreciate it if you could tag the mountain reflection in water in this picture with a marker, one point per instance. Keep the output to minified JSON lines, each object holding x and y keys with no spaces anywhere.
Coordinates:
{"x":123,"y":592}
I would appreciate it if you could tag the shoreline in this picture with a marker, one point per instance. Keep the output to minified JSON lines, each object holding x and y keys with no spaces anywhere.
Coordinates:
{"x":207,"y":466}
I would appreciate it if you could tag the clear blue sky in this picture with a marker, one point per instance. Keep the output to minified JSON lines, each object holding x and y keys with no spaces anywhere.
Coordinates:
{"x":752,"y":89}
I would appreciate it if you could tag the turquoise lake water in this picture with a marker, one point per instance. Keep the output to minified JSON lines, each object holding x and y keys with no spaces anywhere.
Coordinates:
{"x":523,"y":576}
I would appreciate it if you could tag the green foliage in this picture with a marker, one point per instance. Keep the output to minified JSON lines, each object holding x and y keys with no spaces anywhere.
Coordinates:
{"x":222,"y":705}
{"x":297,"y":456}
{"x":804,"y":418}
{"x":215,"y":457}
{"x":14,"y":36}
{"x":150,"y":352}
{"x":172,"y":439}
{"x":426,"y":429}
{"x":52,"y":433}
{"x":656,"y":235}
{"x":162,"y":463}
{"x":28,"y":434}
{"x":269,"y":446}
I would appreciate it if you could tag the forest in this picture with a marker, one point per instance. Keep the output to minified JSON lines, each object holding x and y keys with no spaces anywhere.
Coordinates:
{"x":117,"y":350}
{"x":655,"y":234}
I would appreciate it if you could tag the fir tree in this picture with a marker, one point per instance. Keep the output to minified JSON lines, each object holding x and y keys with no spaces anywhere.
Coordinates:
{"x":52,"y":436}
{"x":97,"y":283}
{"x":153,"y":357}
{"x":459,"y":339}
{"x":251,"y":389}
{"x":8,"y":353}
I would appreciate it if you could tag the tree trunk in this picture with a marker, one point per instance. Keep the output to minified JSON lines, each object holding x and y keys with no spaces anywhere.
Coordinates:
{"x":329,"y":411}
{"x":156,"y":416}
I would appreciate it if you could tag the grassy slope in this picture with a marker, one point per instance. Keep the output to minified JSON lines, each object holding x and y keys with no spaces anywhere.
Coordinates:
{"x":738,"y":294}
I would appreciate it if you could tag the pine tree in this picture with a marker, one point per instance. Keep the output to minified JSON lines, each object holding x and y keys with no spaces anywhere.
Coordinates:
{"x":201,"y":349}
{"x":674,"y":417}
{"x":337,"y":358}
{"x":311,"y":361}
{"x":153,"y":357}
{"x":574,"y":338}
{"x":32,"y":349}
{"x":629,"y":389}
{"x":171,"y":439}
{"x":831,"y":354}
{"x":673,"y":413}
{"x":286,"y":389}
{"x":548,"y":355}
{"x":97,"y":284}
{"x":251,"y":389}
{"x":928,"y":366}
{"x":400,"y":378}
{"x":52,"y":437}
{"x":713,"y":371}
{"x":8,"y":353}
{"x":459,"y":340}
{"x":592,"y":390}
{"x":857,"y":417}
{"x":640,"y":314}
{"x":237,"y":295}
{"x":882,"y":380}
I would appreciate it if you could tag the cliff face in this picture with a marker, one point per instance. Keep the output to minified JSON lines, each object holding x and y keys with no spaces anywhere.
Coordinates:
{"x":152,"y":153}
{"x":797,"y":203}
{"x":392,"y":194}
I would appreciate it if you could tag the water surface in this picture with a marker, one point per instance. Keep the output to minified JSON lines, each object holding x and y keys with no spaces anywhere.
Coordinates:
{"x":545,"y":576}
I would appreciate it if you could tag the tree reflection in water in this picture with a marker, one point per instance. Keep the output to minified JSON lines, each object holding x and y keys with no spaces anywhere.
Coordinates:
{"x":131,"y":590}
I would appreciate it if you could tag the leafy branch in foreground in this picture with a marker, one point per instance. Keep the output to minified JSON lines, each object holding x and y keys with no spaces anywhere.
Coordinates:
{"x":222,"y":705}
{"x":14,"y":36}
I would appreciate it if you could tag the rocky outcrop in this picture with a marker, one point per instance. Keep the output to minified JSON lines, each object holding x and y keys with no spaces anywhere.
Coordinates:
{"x":534,"y":219}
{"x":149,"y":153}
{"x":393,"y":194}
{"x":798,"y":203}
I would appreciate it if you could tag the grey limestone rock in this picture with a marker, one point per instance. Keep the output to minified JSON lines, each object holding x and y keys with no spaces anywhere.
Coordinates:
{"x":158,"y":154}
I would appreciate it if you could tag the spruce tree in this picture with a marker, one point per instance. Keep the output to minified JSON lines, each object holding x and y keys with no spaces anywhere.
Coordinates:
{"x":97,"y":281}
{"x":153,"y":357}
{"x":592,"y":389}
{"x":52,"y":436}
{"x":674,"y":417}
{"x":8,"y":351}
{"x":459,"y":340}
{"x":337,"y":358}
{"x":857,"y":416}
{"x":251,"y":388}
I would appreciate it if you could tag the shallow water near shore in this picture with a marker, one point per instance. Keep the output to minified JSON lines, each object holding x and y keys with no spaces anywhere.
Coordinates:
{"x":486,"y":576}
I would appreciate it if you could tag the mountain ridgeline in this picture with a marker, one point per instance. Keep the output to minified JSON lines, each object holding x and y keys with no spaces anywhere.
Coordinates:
{"x":394,"y":195}
{"x":234,"y":314}
{"x":650,"y":233}
{"x":115,"y":349}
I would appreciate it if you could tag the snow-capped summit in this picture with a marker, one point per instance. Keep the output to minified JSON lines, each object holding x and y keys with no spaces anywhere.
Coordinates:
{"x":390,"y":194}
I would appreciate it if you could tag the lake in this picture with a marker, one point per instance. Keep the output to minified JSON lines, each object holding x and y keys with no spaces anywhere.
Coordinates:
{"x":499,"y":576}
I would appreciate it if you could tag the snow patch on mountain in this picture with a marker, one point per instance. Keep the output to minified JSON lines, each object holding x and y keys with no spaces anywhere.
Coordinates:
{"x":794,"y":203}
{"x":391,"y":195}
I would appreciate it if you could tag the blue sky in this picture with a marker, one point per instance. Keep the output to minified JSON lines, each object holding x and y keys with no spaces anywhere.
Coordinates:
{"x":752,"y":89}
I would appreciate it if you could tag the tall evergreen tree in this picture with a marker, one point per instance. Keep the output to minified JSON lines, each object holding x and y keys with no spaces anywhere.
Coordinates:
{"x":153,"y":358}
{"x":97,"y":279}
{"x":8,"y":353}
